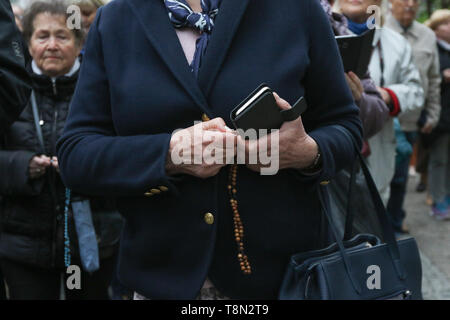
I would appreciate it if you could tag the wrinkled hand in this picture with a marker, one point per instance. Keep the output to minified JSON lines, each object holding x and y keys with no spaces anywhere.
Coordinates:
{"x":296,"y":149}
{"x":201,"y":150}
{"x":355,"y":85}
{"x":38,"y":166}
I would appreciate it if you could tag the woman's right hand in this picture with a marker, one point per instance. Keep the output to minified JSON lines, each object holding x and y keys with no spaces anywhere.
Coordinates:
{"x":38,"y":165}
{"x":199,"y":140}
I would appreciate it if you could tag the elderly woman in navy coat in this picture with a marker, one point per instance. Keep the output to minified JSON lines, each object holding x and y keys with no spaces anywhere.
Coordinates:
{"x":140,"y":81}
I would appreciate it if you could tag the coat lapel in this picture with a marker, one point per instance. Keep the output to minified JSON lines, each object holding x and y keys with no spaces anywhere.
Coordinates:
{"x":152,"y":15}
{"x":226,"y":25}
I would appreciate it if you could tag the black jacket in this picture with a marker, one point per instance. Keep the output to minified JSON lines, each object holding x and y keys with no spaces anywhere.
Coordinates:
{"x":32,"y":219}
{"x":14,"y":80}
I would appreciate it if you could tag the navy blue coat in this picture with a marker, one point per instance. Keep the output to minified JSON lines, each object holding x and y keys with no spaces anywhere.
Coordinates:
{"x":135,"y":88}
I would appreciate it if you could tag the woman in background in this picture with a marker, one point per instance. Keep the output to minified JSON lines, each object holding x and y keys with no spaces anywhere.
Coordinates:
{"x":32,"y":219}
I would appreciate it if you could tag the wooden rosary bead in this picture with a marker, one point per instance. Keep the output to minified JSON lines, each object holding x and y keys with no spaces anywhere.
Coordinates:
{"x":238,"y":227}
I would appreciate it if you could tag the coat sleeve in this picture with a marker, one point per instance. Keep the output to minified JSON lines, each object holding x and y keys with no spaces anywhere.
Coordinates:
{"x":433,"y":100}
{"x":14,"y":80}
{"x":372,"y":109}
{"x":93,"y":159}
{"x":333,"y":118}
{"x":408,"y":88}
{"x":14,"y":174}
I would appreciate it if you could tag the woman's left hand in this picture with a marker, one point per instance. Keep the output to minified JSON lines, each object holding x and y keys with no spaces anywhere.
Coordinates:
{"x":296,"y":149}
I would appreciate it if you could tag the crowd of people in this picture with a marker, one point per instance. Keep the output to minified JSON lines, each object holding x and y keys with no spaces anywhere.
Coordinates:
{"x":86,"y":125}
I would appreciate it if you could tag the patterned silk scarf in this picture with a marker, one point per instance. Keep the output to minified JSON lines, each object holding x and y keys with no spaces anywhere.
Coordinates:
{"x":181,"y":15}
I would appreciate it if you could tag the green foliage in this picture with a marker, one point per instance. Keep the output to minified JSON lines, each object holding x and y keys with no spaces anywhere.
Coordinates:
{"x":423,"y":9}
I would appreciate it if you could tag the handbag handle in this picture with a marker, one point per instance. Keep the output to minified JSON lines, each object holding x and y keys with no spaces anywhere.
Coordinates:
{"x":325,"y":202}
{"x":381,"y":214}
{"x":386,"y":228}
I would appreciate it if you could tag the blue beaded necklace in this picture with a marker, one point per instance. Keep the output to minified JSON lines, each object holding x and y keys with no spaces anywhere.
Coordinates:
{"x":67,"y":256}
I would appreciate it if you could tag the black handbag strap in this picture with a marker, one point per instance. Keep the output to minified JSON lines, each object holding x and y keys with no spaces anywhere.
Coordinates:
{"x":386,"y":227}
{"x":325,"y":202}
{"x":350,"y":212}
{"x":388,"y":232}
{"x":36,"y":121}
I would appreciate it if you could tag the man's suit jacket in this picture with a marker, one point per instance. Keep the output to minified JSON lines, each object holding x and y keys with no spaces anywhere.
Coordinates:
{"x":15,"y":85}
{"x":135,"y":88}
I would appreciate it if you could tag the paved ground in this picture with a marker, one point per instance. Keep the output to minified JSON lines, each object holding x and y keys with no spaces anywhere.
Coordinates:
{"x":433,"y":239}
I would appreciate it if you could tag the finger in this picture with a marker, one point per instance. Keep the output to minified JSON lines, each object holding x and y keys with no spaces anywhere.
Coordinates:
{"x":356,"y":81}
{"x":349,"y":78}
{"x":44,"y":161}
{"x":214,"y":124}
{"x":353,"y":76}
{"x":39,"y":161}
{"x":283,"y":104}
{"x":45,"y":158}
{"x":350,"y":82}
{"x":224,"y":143}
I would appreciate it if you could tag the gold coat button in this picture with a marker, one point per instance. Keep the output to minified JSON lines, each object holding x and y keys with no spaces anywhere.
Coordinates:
{"x":205,"y":117}
{"x":163,"y":188}
{"x":155,"y":191}
{"x":325,"y":183}
{"x":209,"y":218}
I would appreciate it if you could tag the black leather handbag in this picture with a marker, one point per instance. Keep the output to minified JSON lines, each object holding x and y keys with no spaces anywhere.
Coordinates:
{"x":357,"y":268}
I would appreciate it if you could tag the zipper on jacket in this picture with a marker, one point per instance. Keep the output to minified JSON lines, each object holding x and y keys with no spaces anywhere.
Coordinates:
{"x":55,"y":91}
{"x":54,"y":128}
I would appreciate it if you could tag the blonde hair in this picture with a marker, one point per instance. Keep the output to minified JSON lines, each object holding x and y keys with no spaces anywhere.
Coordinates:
{"x":437,"y":18}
